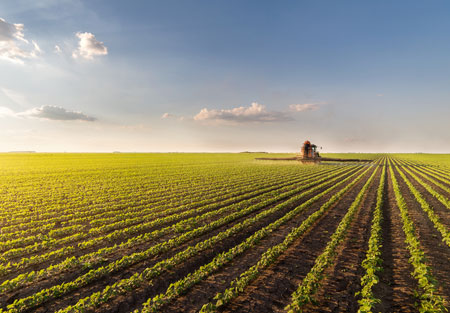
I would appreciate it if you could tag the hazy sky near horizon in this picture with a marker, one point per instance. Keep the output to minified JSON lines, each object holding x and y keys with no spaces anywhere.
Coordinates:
{"x":351,"y":76}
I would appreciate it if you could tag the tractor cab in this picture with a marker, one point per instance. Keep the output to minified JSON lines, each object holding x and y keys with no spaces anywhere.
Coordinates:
{"x":309,"y":154}
{"x":309,"y":151}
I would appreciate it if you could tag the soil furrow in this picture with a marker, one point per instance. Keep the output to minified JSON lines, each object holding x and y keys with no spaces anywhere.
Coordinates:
{"x":426,"y":178}
{"x":165,"y":279}
{"x":343,"y":280}
{"x":396,"y":286}
{"x":440,"y":209}
{"x":107,"y":243}
{"x":72,"y":274}
{"x":206,"y":290}
{"x":437,"y":252}
{"x":272,"y":290}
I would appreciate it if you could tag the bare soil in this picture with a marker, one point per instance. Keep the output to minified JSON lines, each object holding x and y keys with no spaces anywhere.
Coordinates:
{"x":273,"y":288}
{"x":337,"y":293}
{"x":163,"y":281}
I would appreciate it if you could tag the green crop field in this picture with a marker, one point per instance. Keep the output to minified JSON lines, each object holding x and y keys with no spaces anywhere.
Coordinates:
{"x":186,"y":232}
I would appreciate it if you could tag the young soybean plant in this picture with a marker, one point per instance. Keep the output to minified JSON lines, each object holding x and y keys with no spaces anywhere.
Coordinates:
{"x":308,"y":287}
{"x":373,"y":261}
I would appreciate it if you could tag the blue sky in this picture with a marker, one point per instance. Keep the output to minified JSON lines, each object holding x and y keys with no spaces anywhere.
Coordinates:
{"x":224,"y":75}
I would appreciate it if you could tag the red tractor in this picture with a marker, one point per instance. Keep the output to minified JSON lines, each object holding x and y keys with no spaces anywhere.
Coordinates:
{"x":310,"y":155}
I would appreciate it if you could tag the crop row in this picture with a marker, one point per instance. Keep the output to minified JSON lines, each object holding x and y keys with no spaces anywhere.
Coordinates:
{"x":104,"y":226}
{"x":430,"y":300}
{"x":92,"y":195}
{"x":433,"y":217}
{"x":429,"y":173}
{"x":180,"y":257}
{"x":126,"y":261}
{"x":271,"y":255}
{"x":68,"y":215}
{"x":372,"y":264}
{"x":157,"y":212}
{"x":308,"y":287}
{"x":93,"y":258}
{"x":444,"y":200}
{"x":179,"y":287}
{"x":73,"y":201}
{"x":217,"y":262}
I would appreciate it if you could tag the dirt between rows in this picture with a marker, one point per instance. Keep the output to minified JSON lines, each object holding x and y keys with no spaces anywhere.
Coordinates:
{"x":439,"y":208}
{"x":436,"y":251}
{"x":272,"y":290}
{"x":164,"y":280}
{"x":442,"y":177}
{"x":73,"y":273}
{"x":343,"y":280}
{"x":166,"y":196}
{"x":78,"y":252}
{"x":423,"y":175}
{"x":396,"y":286}
{"x":204,"y":292}
{"x":126,"y":303}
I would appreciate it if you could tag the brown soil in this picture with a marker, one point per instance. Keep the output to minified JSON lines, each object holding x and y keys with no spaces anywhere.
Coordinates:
{"x":426,"y":178}
{"x":436,"y":251}
{"x":343,"y":280}
{"x":272,"y":290}
{"x":441,"y":177}
{"x":164,"y":281}
{"x":439,"y":208}
{"x":207,"y":289}
{"x":78,"y":253}
{"x":396,"y":286}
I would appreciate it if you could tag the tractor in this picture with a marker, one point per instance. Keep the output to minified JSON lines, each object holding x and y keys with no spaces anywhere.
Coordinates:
{"x":310,"y":155}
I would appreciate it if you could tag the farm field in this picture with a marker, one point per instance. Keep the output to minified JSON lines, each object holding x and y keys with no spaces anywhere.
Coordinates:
{"x":223,"y":233}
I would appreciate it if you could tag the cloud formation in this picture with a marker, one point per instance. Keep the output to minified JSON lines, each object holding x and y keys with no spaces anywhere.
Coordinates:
{"x":304,"y":107}
{"x":4,"y":111}
{"x":13,"y":45}
{"x":256,"y":113}
{"x":89,"y":47}
{"x":167,"y":115}
{"x":51,"y":112}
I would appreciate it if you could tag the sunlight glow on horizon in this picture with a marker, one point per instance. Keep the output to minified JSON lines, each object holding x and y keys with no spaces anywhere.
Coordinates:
{"x":107,"y":76}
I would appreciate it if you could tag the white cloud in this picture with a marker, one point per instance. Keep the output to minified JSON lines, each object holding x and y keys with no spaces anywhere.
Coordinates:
{"x":13,"y":45}
{"x":304,"y":107}
{"x":57,"y":49}
{"x":167,"y":115}
{"x":89,"y":47}
{"x":51,"y":112}
{"x":10,"y":31}
{"x":4,"y":111}
{"x":256,"y":113}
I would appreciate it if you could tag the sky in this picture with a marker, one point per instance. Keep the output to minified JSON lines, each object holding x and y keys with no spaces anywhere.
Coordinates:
{"x":224,"y":76}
